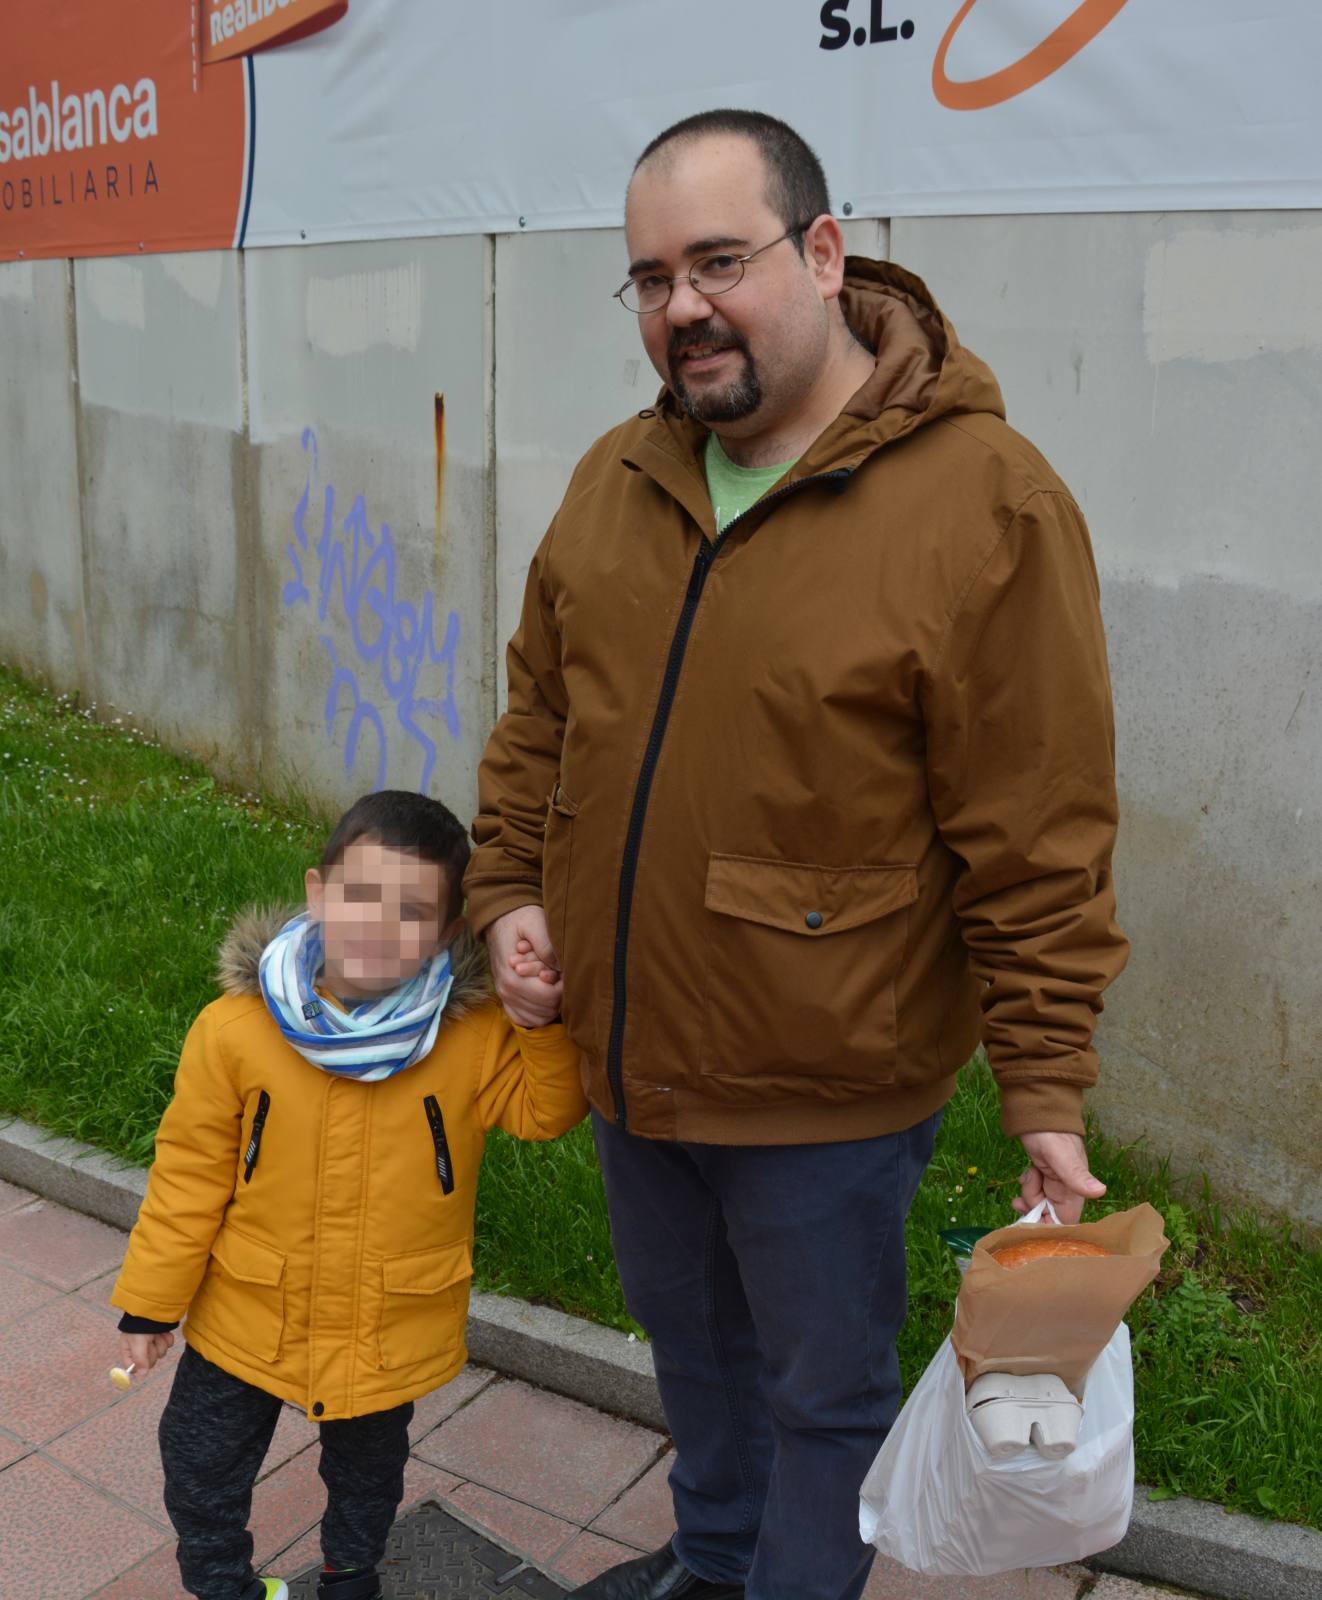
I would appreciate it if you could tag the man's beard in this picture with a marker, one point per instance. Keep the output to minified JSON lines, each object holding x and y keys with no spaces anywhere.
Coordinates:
{"x":740,"y":398}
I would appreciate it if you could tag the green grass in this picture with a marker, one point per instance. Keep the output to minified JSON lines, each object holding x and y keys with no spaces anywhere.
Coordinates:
{"x":122,"y":866}
{"x":542,"y":1232}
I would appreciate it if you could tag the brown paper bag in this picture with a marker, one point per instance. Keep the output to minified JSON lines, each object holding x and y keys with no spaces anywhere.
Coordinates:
{"x":1055,"y":1315}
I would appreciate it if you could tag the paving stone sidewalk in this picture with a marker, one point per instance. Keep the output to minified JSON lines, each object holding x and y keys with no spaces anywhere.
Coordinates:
{"x":570,"y":1489}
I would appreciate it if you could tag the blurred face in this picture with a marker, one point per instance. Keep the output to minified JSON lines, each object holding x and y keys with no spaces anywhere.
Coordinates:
{"x":381,"y":912}
{"x":745,"y":359}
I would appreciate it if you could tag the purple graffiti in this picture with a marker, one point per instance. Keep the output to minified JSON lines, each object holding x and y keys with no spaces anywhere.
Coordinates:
{"x":391,"y":636}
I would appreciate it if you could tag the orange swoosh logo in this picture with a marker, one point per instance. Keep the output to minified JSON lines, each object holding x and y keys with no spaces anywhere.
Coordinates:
{"x":1081,"y":27}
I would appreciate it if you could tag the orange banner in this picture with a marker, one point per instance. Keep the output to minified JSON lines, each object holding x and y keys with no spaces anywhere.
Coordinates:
{"x":113,"y":140}
{"x":237,"y":27}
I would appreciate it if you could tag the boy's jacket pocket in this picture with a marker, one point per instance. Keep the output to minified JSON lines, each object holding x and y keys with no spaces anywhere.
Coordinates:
{"x":252,"y":1321}
{"x":423,"y":1303}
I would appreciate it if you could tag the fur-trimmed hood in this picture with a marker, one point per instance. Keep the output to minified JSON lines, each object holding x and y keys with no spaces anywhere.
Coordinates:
{"x":254,"y":928}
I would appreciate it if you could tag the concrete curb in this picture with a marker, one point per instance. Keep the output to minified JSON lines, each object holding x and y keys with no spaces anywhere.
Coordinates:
{"x":75,"y":1175}
{"x":1189,"y":1543}
{"x":1197,"y":1545}
{"x":568,"y":1355}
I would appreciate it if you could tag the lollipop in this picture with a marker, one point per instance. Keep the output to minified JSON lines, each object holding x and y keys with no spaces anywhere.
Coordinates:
{"x":122,"y":1377}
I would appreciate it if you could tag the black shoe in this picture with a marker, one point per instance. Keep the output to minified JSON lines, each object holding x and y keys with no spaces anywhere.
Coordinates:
{"x":364,"y":1585}
{"x":660,"y":1576}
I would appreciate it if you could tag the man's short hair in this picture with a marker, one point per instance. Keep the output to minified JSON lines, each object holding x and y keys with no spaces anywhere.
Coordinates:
{"x":403,"y":820}
{"x":796,"y":185}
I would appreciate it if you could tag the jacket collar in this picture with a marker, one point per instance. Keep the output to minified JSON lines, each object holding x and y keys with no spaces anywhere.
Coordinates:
{"x":254,"y":928}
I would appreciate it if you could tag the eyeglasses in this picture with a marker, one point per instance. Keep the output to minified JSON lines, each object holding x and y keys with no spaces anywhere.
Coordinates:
{"x":712,"y":275}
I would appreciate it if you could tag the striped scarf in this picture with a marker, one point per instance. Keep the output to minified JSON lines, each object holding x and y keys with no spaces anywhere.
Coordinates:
{"x":377,"y":1038}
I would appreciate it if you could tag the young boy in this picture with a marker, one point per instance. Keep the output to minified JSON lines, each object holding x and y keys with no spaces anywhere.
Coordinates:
{"x":311,"y":1202}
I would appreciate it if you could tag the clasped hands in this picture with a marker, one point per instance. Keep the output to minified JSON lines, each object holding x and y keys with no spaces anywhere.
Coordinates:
{"x":524,"y":967}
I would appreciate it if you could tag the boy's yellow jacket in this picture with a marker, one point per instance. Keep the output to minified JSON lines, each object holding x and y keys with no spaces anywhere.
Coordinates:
{"x":326,"y":1257}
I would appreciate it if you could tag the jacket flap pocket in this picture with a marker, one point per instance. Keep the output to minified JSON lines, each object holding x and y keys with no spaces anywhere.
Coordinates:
{"x":800,"y":898}
{"x":427,"y":1271}
{"x":247,"y":1259}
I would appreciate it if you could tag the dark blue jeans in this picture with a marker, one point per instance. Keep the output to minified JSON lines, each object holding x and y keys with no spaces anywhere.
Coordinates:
{"x":771,"y":1282}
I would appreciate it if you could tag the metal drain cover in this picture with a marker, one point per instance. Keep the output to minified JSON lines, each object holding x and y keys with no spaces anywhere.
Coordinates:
{"x":433,"y":1556}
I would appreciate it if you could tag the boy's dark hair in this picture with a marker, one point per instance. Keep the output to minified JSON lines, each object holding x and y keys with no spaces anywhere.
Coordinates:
{"x":406,"y":821}
{"x":796,"y":184}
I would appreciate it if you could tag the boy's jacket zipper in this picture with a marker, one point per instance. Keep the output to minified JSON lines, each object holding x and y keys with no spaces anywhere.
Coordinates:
{"x":838,"y":480}
{"x":255,"y":1138}
{"x":444,"y":1165}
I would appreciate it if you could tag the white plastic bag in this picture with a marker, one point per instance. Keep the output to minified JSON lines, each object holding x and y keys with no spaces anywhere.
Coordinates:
{"x":936,"y":1502}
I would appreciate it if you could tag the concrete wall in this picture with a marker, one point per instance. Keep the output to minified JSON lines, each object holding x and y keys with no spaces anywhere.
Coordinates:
{"x":1171,"y":368}
{"x":219,"y":484}
{"x":220,"y":479}
{"x":355,"y":342}
{"x":166,"y":546}
{"x":41,"y":557}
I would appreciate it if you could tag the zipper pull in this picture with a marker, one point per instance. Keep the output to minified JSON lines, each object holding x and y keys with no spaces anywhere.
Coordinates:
{"x":255,"y":1140}
{"x":444,"y":1165}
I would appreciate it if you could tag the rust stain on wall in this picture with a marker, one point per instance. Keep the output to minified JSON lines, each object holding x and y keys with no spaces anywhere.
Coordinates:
{"x":440,"y":476}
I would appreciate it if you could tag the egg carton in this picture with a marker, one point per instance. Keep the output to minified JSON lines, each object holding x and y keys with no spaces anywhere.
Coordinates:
{"x":1013,"y":1412}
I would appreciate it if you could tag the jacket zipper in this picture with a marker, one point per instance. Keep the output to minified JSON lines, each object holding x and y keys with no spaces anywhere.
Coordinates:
{"x":638,"y":812}
{"x":255,"y":1137}
{"x":444,"y":1165}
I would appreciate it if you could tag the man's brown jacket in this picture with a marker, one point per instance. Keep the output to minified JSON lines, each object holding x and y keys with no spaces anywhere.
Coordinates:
{"x":816,"y":806}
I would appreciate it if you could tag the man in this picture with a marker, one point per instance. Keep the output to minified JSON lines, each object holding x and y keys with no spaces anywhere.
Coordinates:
{"x":805,"y":784}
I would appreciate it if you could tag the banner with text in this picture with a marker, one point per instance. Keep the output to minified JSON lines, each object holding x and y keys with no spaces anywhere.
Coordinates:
{"x":237,"y":27}
{"x":127,"y":128}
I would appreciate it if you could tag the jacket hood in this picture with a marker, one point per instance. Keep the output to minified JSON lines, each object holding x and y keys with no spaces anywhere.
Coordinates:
{"x":922,"y":369}
{"x":254,"y":928}
{"x":922,"y":373}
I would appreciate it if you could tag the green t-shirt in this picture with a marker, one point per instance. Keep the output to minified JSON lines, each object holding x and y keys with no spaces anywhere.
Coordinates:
{"x":734,"y":488}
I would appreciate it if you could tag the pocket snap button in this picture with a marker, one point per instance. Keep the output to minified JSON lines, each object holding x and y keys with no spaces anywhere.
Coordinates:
{"x":814,"y":919}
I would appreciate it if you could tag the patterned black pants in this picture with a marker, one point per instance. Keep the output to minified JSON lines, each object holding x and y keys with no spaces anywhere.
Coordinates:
{"x":215,"y":1432}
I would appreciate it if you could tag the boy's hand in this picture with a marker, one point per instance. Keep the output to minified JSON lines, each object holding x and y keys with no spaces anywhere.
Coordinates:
{"x":528,"y":964}
{"x":524,"y":967}
{"x":143,"y":1350}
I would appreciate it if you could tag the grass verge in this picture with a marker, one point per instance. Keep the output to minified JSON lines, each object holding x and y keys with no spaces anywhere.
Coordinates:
{"x":123,"y":865}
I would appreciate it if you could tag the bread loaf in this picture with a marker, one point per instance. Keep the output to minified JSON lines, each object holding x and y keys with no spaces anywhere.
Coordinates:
{"x":1039,"y":1249}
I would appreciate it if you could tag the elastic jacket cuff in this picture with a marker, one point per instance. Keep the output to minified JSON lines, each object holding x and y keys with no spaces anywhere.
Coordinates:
{"x":128,"y":1323}
{"x":485,"y":905}
{"x":1041,"y":1105}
